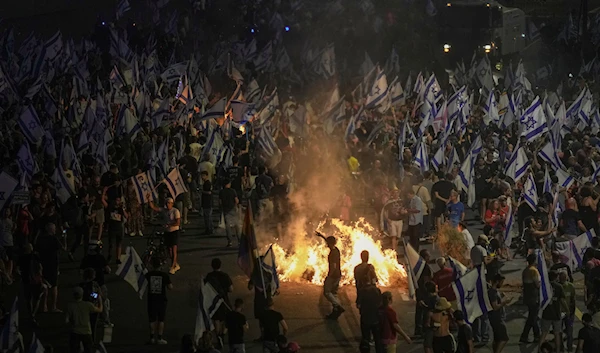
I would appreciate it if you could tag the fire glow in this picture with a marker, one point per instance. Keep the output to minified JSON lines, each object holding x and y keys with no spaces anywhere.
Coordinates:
{"x":308,"y":260}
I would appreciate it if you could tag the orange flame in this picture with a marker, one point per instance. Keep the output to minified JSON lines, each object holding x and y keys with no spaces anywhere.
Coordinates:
{"x":311,"y":255}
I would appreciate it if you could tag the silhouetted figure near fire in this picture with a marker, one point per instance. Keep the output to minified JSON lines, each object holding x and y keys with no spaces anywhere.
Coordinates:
{"x":332,"y":281}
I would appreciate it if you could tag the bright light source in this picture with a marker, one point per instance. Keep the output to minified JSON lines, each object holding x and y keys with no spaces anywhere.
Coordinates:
{"x":287,"y":28}
{"x":522,"y":35}
{"x":447,"y":48}
{"x":103,"y":23}
{"x":488,"y":5}
{"x":448,"y":4}
{"x":487,"y":48}
{"x":252,"y":30}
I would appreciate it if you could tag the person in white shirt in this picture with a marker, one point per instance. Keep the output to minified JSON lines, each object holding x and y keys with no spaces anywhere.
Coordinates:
{"x":469,"y":242}
{"x":172,"y":218}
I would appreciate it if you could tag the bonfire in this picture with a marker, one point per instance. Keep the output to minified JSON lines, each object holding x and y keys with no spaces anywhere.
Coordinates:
{"x":307,"y":261}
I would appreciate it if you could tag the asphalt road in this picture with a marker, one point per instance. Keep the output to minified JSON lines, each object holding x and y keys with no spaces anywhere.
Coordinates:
{"x":302,"y":305}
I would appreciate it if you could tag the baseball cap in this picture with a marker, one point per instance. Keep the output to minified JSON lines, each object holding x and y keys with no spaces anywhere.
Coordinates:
{"x":483,"y":238}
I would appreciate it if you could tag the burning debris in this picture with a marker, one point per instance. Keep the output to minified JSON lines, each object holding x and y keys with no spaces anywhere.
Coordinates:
{"x":307,"y":261}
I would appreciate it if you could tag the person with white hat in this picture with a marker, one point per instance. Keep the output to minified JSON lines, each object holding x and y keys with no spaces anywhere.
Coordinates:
{"x":439,"y":320}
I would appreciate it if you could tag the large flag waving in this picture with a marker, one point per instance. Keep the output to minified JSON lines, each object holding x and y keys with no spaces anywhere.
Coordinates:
{"x":533,"y":121}
{"x":133,"y":271}
{"x":30,"y":125}
{"x":545,"y":286}
{"x":144,"y":188}
{"x":7,"y":186}
{"x":209,"y":302}
{"x":416,"y":265}
{"x":471,"y":289}
{"x":270,"y":266}
{"x":175,"y":184}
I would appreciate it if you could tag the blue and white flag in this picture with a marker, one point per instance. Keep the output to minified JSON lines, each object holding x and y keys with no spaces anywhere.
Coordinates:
{"x":133,"y":271}
{"x":533,"y":121}
{"x":484,"y":75}
{"x":175,"y":183}
{"x":458,"y":269}
{"x":36,"y":346}
{"x":241,"y":112}
{"x":127,"y":123}
{"x":472,"y":293}
{"x":422,"y":157}
{"x":253,"y":92}
{"x":326,"y":63}
{"x":9,"y":336}
{"x":491,"y":110}
{"x":416,"y":264}
{"x":530,"y":192}
{"x":159,"y":114}
{"x":438,"y":158}
{"x":518,"y":164}
{"x":545,"y":285}
{"x":53,"y":46}
{"x":209,"y":301}
{"x":397,"y":93}
{"x":270,"y":266}
{"x":30,"y":125}
{"x":7,"y":186}
{"x":264,"y":60}
{"x":378,"y":92}
{"x":116,"y":78}
{"x":565,"y":179}
{"x":579,"y":246}
{"x":216,"y":111}
{"x":62,"y":186}
{"x":549,"y":153}
{"x":144,"y":188}
{"x":122,"y":7}
{"x":26,"y":162}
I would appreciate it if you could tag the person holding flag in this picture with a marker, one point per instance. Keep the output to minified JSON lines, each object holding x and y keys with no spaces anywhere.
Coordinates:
{"x":172,"y":219}
{"x":222,"y":283}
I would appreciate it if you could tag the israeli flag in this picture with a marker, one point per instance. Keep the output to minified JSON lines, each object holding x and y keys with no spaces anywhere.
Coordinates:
{"x":565,"y":180}
{"x":458,"y":269}
{"x":253,"y":92}
{"x":378,"y":92}
{"x":9,"y":336}
{"x":144,"y":188}
{"x":579,"y":245}
{"x":491,"y":110}
{"x":53,"y":46}
{"x":533,"y":121}
{"x":242,"y":112}
{"x":7,"y":186}
{"x":216,"y":111}
{"x":133,"y":271}
{"x":549,"y":154}
{"x":517,"y":164}
{"x":530,"y":193}
{"x":547,"y":182}
{"x":545,"y":285}
{"x":30,"y":125}
{"x":438,"y":158}
{"x":422,"y":157}
{"x":163,"y":156}
{"x":472,"y":293}
{"x":397,"y":93}
{"x":25,"y":161}
{"x":62,"y":185}
{"x":159,"y":114}
{"x":209,"y":301}
{"x":175,"y":183}
{"x":416,"y":265}
{"x":270,"y":266}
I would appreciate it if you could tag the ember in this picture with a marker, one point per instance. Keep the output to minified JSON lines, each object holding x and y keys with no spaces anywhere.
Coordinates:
{"x":308,"y":260}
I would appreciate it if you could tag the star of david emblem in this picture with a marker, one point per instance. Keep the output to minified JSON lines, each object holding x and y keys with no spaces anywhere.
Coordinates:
{"x":271,"y":108}
{"x":376,"y":90}
{"x":530,"y":192}
{"x":483,"y":72}
{"x":143,"y":183}
{"x":137,"y":268}
{"x":32,"y":125}
{"x":529,"y":122}
{"x":2,"y":196}
{"x":177,"y":182}
{"x":470,"y":295}
{"x":326,"y":62}
{"x":171,"y":72}
{"x":583,"y":250}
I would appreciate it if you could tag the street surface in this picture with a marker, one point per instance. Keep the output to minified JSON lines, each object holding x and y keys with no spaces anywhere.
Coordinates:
{"x":303,"y":305}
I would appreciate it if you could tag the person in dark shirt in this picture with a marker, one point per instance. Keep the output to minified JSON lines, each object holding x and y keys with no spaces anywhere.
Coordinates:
{"x":552,"y":314}
{"x":48,"y":248}
{"x":236,"y":325}
{"x":464,"y":339}
{"x":94,"y":259}
{"x":229,"y":206}
{"x":222,"y":283}
{"x":422,"y":293}
{"x":588,"y":337}
{"x":264,"y":186}
{"x":440,"y":193}
{"x":361,"y":272}
{"x":206,"y":203}
{"x":332,"y":281}
{"x":112,"y":181}
{"x":559,"y":266}
{"x":497,"y":316}
{"x":368,"y":304}
{"x":235,"y":174}
{"x":158,"y":283}
{"x":273,"y":325}
{"x":116,"y":215}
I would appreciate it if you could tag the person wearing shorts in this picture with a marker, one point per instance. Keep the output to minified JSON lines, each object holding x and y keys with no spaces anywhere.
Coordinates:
{"x":158,"y":283}
{"x":172,"y":221}
{"x":392,"y":216}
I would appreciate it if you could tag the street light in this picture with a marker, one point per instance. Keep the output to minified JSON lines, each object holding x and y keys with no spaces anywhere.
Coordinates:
{"x":447,"y":48}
